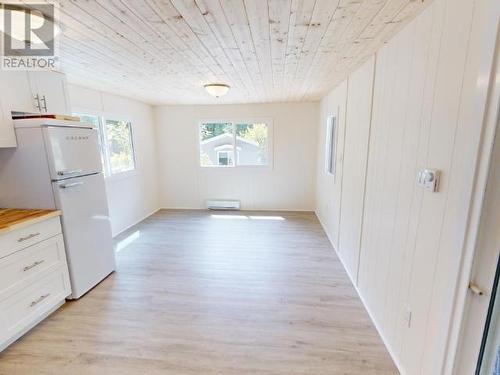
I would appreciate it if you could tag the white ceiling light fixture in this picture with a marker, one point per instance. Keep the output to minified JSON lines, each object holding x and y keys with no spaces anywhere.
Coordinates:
{"x":17,"y":18}
{"x":217,"y":89}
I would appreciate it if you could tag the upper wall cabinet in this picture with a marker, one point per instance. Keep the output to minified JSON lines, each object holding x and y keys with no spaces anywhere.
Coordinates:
{"x":35,"y":92}
{"x":49,"y":92}
{"x":7,"y":136}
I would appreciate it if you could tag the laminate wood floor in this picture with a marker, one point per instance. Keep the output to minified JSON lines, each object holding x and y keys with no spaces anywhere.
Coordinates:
{"x":212,"y":293}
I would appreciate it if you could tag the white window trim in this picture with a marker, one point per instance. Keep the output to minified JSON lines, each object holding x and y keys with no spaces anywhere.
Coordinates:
{"x":331,"y":144}
{"x":119,"y":175}
{"x":106,"y":171}
{"x":234,"y":120}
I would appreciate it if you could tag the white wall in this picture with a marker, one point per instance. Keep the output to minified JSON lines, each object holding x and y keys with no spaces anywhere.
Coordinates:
{"x":357,"y":133}
{"x":412,"y":240}
{"x":328,"y":187}
{"x":288,"y":185}
{"x":133,"y":196}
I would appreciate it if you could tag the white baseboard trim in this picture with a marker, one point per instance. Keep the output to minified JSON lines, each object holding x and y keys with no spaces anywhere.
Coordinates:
{"x":384,"y":340}
{"x":136,"y":222}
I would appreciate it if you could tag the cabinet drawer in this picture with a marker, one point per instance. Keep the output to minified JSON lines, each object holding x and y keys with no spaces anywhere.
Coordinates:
{"x":24,"y":237}
{"x":23,"y":266}
{"x":20,"y":310}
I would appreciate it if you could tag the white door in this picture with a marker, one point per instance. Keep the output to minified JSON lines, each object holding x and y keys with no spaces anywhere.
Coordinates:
{"x":71,"y":151}
{"x":87,"y":230}
{"x":488,"y":242}
{"x":485,"y":264}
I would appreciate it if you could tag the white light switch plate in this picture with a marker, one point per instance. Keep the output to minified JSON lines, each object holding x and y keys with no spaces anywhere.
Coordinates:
{"x":428,"y":179}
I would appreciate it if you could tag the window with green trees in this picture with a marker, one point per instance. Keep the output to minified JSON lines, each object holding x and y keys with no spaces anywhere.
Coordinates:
{"x":115,"y":141}
{"x":119,"y":146}
{"x":238,"y":143}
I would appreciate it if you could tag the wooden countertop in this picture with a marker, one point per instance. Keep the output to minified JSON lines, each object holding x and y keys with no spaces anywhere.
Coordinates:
{"x":14,"y":218}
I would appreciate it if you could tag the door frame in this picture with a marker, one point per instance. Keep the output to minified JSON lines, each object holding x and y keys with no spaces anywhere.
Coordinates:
{"x":488,"y":96}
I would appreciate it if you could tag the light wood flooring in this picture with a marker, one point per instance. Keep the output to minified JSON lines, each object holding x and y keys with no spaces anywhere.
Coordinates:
{"x":212,"y":293}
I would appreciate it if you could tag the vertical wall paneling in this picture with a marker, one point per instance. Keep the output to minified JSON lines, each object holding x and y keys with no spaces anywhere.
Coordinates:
{"x":328,"y":187}
{"x":424,"y":103}
{"x":461,"y":176}
{"x":287,"y":184}
{"x":357,"y":130}
{"x":435,"y":206}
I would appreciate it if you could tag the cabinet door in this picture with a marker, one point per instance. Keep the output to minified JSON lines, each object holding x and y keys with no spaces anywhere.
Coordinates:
{"x":16,"y":94}
{"x":52,"y":90}
{"x":7,"y":135}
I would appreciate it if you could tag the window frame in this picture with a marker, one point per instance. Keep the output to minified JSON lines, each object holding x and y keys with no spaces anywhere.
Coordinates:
{"x":234,"y":121}
{"x":331,"y":144}
{"x":227,"y":152}
{"x":121,"y":174}
{"x":104,"y":150}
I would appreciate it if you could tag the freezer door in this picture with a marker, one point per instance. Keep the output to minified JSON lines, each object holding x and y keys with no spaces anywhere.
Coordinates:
{"x":86,"y":229}
{"x":71,"y":151}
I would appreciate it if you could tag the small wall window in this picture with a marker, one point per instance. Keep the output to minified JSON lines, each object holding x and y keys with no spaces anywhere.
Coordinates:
{"x":225,"y":158}
{"x":331,"y":145}
{"x":120,"y":149}
{"x":221,"y":141}
{"x":115,"y":142}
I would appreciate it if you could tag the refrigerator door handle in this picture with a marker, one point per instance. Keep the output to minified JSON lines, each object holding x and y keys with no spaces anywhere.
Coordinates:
{"x":64,"y":173}
{"x":73,"y":184}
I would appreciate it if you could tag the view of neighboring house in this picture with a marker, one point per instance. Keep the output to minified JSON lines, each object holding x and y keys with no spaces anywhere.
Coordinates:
{"x":219,"y":151}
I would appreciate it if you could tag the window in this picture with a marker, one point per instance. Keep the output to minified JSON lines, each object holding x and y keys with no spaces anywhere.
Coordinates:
{"x":331,"y":145}
{"x":95,"y":121}
{"x":251,"y":142}
{"x":115,"y":141}
{"x":120,"y":150}
{"x":221,"y":141}
{"x":224,"y":158}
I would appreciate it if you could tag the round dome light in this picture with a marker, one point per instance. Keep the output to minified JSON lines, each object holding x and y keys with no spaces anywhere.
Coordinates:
{"x":217,"y":89}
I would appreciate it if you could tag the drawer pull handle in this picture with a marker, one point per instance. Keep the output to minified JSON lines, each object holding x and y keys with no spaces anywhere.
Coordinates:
{"x":37,"y":263}
{"x":73,"y":184}
{"x":34,"y":303}
{"x":65,"y":173}
{"x":28,"y":237}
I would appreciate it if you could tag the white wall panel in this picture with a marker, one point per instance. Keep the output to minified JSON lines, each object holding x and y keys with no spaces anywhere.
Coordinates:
{"x":288,"y":185}
{"x":357,"y":134}
{"x":328,"y":187}
{"x":412,"y":239}
{"x":132,"y":197}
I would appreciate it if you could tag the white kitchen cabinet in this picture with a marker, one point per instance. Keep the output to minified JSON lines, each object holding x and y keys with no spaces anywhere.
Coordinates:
{"x":15,"y":92}
{"x":50,"y":92}
{"x":32,"y":92}
{"x":34,"y":277}
{"x":7,"y":135}
{"x":15,"y":95}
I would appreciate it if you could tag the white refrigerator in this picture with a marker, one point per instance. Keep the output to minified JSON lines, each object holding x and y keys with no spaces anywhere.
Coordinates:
{"x":57,"y":165}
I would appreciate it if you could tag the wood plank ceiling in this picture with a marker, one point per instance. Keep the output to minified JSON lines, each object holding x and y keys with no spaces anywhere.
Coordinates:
{"x":164,"y":51}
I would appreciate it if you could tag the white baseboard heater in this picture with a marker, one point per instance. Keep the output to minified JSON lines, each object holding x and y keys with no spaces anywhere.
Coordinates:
{"x":215,"y":204}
